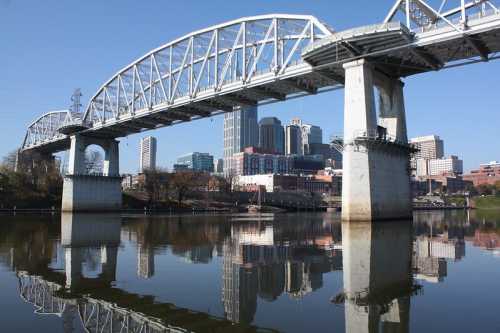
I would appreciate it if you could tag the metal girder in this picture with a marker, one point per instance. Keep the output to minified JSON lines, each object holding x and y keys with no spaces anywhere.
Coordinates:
{"x":351,"y":48}
{"x":329,"y":75}
{"x":144,"y":123}
{"x":478,"y":46}
{"x":216,"y":105}
{"x":237,"y":100}
{"x":268,"y":93}
{"x":195,"y":111}
{"x":113,"y":131}
{"x":163,"y":117}
{"x":298,"y":85}
{"x":428,"y":59}
{"x":175,"y":115}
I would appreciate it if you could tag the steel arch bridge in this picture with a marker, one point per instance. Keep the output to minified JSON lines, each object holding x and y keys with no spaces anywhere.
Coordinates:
{"x":261,"y":59}
{"x":44,"y":131}
{"x":238,"y":63}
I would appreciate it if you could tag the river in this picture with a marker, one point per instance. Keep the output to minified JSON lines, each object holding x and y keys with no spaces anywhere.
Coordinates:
{"x":304,"y":272}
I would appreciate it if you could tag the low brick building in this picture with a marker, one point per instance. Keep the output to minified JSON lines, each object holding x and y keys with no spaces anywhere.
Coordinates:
{"x":487,"y":174}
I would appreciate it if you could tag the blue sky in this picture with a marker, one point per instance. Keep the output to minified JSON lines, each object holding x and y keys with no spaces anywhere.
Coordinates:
{"x":50,"y":47}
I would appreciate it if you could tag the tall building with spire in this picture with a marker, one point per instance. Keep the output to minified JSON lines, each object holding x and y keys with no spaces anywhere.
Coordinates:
{"x":240,"y":130}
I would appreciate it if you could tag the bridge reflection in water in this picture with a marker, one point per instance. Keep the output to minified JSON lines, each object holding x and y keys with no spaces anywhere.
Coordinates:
{"x":75,"y":277}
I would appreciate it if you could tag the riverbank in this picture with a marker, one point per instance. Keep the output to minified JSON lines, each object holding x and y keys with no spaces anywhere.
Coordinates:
{"x":487,"y":202}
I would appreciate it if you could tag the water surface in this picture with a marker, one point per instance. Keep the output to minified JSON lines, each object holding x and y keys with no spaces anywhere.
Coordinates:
{"x":243,"y":273}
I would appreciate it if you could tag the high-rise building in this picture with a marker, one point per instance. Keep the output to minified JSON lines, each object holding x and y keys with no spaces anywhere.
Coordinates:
{"x":148,"y":154}
{"x":438,"y":166}
{"x":196,"y":161}
{"x":271,"y":135}
{"x":219,"y":165}
{"x":310,"y":134}
{"x":447,"y":165}
{"x":293,"y":140}
{"x":429,"y":147}
{"x":240,"y":131}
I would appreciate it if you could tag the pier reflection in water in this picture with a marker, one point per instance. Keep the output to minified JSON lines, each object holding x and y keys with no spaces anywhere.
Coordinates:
{"x":108,"y":273}
{"x":377,"y":276}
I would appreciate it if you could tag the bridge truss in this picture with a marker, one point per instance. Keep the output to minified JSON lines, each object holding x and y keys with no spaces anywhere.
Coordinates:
{"x":268,"y":58}
{"x":45,"y":130}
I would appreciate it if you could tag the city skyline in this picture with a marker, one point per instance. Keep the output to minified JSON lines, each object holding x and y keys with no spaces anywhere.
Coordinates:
{"x":92,"y":62}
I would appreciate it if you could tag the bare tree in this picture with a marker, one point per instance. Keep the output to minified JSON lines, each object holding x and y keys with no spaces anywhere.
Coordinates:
{"x":183,"y":182}
{"x":94,"y":162}
{"x":156,"y":183}
{"x":9,"y":161}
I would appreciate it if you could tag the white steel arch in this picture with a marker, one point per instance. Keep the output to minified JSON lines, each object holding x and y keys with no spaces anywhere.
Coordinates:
{"x":44,"y":130}
{"x":209,"y":62}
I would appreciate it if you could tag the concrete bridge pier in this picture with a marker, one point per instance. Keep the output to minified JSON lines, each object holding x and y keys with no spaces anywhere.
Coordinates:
{"x":376,"y":179}
{"x":87,"y":192}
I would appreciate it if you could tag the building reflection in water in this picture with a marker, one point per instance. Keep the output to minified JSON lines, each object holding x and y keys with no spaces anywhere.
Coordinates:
{"x":377,"y":276}
{"x":269,"y":260}
{"x":436,"y":243}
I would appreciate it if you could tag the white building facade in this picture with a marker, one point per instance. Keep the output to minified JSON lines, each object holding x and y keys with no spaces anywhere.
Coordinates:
{"x":147,"y":159}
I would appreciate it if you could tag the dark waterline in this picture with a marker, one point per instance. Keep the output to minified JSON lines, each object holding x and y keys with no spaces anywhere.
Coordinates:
{"x":239,"y":273}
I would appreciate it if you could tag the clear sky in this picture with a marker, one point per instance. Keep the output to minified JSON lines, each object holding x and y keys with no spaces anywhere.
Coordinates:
{"x":48,"y":48}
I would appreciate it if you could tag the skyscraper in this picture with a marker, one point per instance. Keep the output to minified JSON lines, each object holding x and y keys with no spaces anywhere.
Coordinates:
{"x":148,"y":154}
{"x":198,"y":161}
{"x":240,"y":131}
{"x":271,"y":135}
{"x":310,"y":134}
{"x":293,"y":140}
{"x":429,"y":147}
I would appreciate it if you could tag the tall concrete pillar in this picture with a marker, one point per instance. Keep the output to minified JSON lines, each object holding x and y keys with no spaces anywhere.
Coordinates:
{"x":392,"y":107}
{"x":111,"y":159}
{"x":76,"y":163}
{"x":376,"y":181}
{"x":83,"y":192}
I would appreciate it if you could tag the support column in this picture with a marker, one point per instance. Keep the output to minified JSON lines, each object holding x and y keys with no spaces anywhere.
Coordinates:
{"x":392,"y":108}
{"x":376,"y":182}
{"x":83,"y":192}
{"x":76,"y":163}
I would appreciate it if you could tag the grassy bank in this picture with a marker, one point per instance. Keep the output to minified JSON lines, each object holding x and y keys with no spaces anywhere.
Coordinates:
{"x":488,"y":202}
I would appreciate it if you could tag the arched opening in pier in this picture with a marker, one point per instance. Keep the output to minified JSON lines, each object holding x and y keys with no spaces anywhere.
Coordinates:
{"x":94,"y":160}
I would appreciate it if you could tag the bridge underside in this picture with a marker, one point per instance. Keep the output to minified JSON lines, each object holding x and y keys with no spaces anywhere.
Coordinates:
{"x":258,"y":94}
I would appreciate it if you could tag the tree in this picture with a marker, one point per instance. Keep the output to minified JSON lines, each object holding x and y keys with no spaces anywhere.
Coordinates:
{"x":485,"y":189}
{"x":156,"y":184}
{"x":497,"y":187}
{"x":9,"y":161}
{"x":35,"y":183}
{"x":183,"y":182}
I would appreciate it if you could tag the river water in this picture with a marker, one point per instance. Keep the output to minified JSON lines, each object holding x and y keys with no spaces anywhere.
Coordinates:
{"x":247,"y":273}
